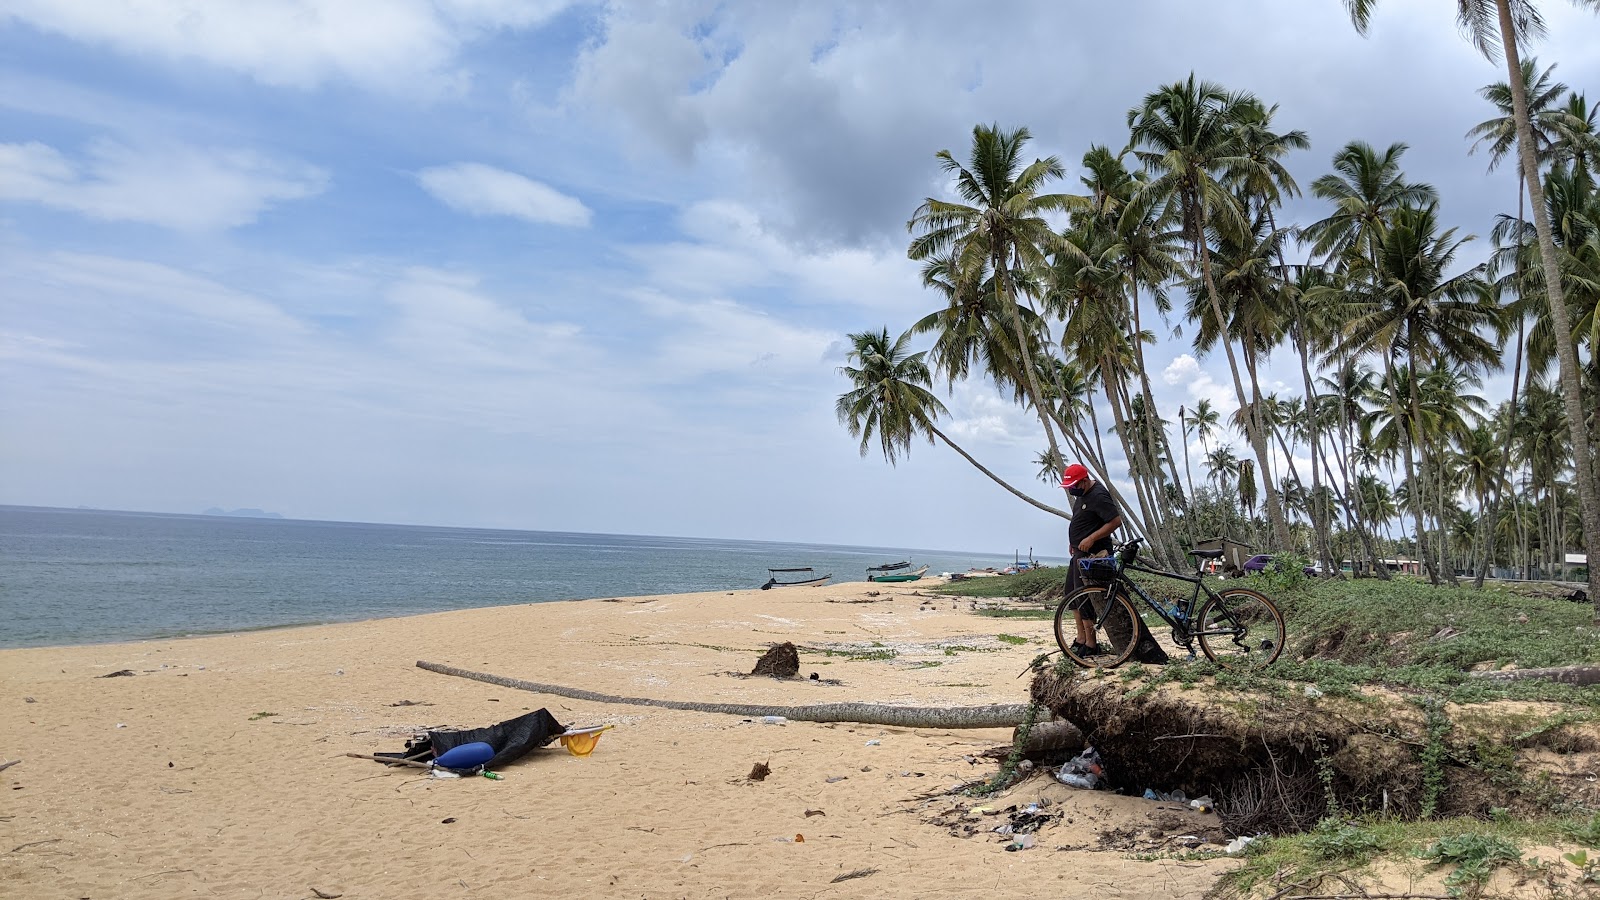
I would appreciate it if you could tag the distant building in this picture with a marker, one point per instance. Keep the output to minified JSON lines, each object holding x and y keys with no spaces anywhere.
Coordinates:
{"x":1403,"y":565}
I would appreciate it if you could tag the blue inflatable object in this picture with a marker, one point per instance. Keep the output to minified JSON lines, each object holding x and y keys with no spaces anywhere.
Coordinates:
{"x":466,"y":756}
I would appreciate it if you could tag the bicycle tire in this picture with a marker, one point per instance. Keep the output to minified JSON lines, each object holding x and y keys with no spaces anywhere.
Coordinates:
{"x":1254,"y":624}
{"x":1115,"y":627}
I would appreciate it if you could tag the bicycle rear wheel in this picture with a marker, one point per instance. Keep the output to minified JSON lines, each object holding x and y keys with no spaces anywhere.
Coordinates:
{"x":1240,"y":629}
{"x":1116,"y":629}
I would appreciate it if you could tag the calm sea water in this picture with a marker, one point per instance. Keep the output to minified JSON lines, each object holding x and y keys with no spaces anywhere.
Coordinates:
{"x":85,"y":576}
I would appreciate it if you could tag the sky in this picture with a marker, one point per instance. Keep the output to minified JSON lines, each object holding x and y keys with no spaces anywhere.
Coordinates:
{"x":591,"y":267}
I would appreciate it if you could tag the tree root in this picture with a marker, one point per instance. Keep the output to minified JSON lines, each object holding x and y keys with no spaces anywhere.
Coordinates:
{"x":1006,"y":715}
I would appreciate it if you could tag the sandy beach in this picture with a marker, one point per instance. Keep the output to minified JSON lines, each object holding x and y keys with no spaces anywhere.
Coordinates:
{"x":217,"y":769}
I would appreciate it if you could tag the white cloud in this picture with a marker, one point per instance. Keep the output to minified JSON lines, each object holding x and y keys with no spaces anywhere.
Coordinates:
{"x":180,"y":187}
{"x":480,"y":190}
{"x":730,"y":249}
{"x":385,"y":44}
{"x":704,"y":337}
{"x":446,"y":320}
{"x":1196,"y":384}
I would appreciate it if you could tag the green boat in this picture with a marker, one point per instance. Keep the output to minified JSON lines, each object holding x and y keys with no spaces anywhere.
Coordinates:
{"x":898,"y":576}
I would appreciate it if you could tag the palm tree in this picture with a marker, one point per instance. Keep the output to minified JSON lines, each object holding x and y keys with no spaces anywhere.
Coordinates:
{"x":1222,"y":463}
{"x":1481,"y":457}
{"x":1000,"y":230}
{"x":1576,"y":133}
{"x":1416,"y":308}
{"x":1187,"y":135}
{"x":1500,"y":133}
{"x":1206,"y":421}
{"x":889,"y":401}
{"x":1364,"y":188}
{"x":1500,"y":25}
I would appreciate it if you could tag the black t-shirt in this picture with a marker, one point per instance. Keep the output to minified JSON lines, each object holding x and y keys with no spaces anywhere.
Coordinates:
{"x":1094,"y":509}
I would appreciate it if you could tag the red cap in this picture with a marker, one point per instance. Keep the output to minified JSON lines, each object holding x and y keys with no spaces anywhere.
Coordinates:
{"x":1073,"y":474}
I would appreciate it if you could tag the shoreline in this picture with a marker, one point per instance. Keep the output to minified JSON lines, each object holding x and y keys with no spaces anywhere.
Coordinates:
{"x":234,"y":743}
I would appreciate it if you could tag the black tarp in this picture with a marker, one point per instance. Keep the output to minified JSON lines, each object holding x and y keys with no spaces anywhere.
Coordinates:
{"x":511,"y":739}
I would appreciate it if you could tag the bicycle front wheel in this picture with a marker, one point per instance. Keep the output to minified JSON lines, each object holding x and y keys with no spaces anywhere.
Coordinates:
{"x":1115,"y":628}
{"x":1240,"y":629}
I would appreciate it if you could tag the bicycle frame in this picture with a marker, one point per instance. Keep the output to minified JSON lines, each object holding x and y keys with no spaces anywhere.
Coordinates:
{"x":1181,"y":615}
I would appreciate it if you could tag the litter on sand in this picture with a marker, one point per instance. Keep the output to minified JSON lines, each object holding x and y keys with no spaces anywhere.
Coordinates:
{"x":475,"y":751}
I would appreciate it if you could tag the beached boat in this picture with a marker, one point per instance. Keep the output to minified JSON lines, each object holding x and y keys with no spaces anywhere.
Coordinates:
{"x":793,"y":577}
{"x":899,"y":575}
{"x":886,"y":568}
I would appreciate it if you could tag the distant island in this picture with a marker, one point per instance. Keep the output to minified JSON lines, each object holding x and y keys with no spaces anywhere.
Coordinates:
{"x":246,"y":513}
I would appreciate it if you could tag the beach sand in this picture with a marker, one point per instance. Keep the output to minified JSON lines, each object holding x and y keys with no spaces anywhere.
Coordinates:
{"x":218,"y":770}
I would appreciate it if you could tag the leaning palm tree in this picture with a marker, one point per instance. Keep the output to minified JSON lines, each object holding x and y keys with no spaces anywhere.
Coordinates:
{"x":999,"y":229}
{"x":1188,"y":136}
{"x":1499,"y":26}
{"x":889,"y":402}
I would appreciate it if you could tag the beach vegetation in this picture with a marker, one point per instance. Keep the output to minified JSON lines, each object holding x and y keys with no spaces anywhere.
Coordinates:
{"x":1384,"y":456}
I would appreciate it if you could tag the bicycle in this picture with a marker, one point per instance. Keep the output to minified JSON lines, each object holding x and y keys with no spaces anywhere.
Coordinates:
{"x":1235,"y":627}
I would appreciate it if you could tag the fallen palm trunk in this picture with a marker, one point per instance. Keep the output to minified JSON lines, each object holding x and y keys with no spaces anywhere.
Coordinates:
{"x":1578,"y":675}
{"x":998,"y":716}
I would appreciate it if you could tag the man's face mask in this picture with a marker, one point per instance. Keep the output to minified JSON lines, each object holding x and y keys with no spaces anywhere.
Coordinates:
{"x":1077,"y":490}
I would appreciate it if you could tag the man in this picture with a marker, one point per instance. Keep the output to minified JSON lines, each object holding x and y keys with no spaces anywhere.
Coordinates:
{"x":1094,"y":517}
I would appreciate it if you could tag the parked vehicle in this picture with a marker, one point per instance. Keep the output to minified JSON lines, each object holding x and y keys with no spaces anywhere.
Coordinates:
{"x":1258,"y":564}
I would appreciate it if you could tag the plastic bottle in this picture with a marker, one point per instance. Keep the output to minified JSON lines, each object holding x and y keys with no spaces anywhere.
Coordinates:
{"x":773,"y":720}
{"x":1078,"y":780}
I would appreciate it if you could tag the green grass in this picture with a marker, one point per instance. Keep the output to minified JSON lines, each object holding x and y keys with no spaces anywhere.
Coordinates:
{"x":1469,"y":848}
{"x":1010,"y":639}
{"x":1403,"y":633}
{"x":1425,"y":643}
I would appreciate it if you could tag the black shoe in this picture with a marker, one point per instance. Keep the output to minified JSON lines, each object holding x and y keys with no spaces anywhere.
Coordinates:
{"x":1081,"y":650}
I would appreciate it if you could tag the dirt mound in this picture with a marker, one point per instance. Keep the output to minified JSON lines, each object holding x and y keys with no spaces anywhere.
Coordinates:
{"x":1279,"y":757}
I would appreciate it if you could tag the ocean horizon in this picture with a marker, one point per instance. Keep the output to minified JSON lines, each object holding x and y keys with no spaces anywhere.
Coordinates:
{"x":83,"y":576}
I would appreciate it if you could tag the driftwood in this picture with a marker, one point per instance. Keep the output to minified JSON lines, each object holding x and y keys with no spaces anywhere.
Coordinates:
{"x":1578,"y":675}
{"x":1004,"y":715}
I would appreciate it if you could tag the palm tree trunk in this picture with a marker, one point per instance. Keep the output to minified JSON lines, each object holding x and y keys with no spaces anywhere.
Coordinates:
{"x":1403,"y":431}
{"x":1511,"y":413}
{"x":1353,"y":502}
{"x":1093,"y":460}
{"x":1030,"y":383}
{"x":1319,"y":508}
{"x":1122,"y":424}
{"x":1280,"y":527}
{"x":1183,"y":428}
{"x":1571,"y":376}
{"x":996,"y":478}
{"x":1162,"y":447}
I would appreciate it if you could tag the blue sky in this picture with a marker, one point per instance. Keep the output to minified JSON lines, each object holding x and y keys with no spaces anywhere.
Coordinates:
{"x":580,"y":266}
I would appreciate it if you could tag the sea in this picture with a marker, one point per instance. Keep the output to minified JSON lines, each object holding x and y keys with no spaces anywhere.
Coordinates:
{"x":77,"y":576}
